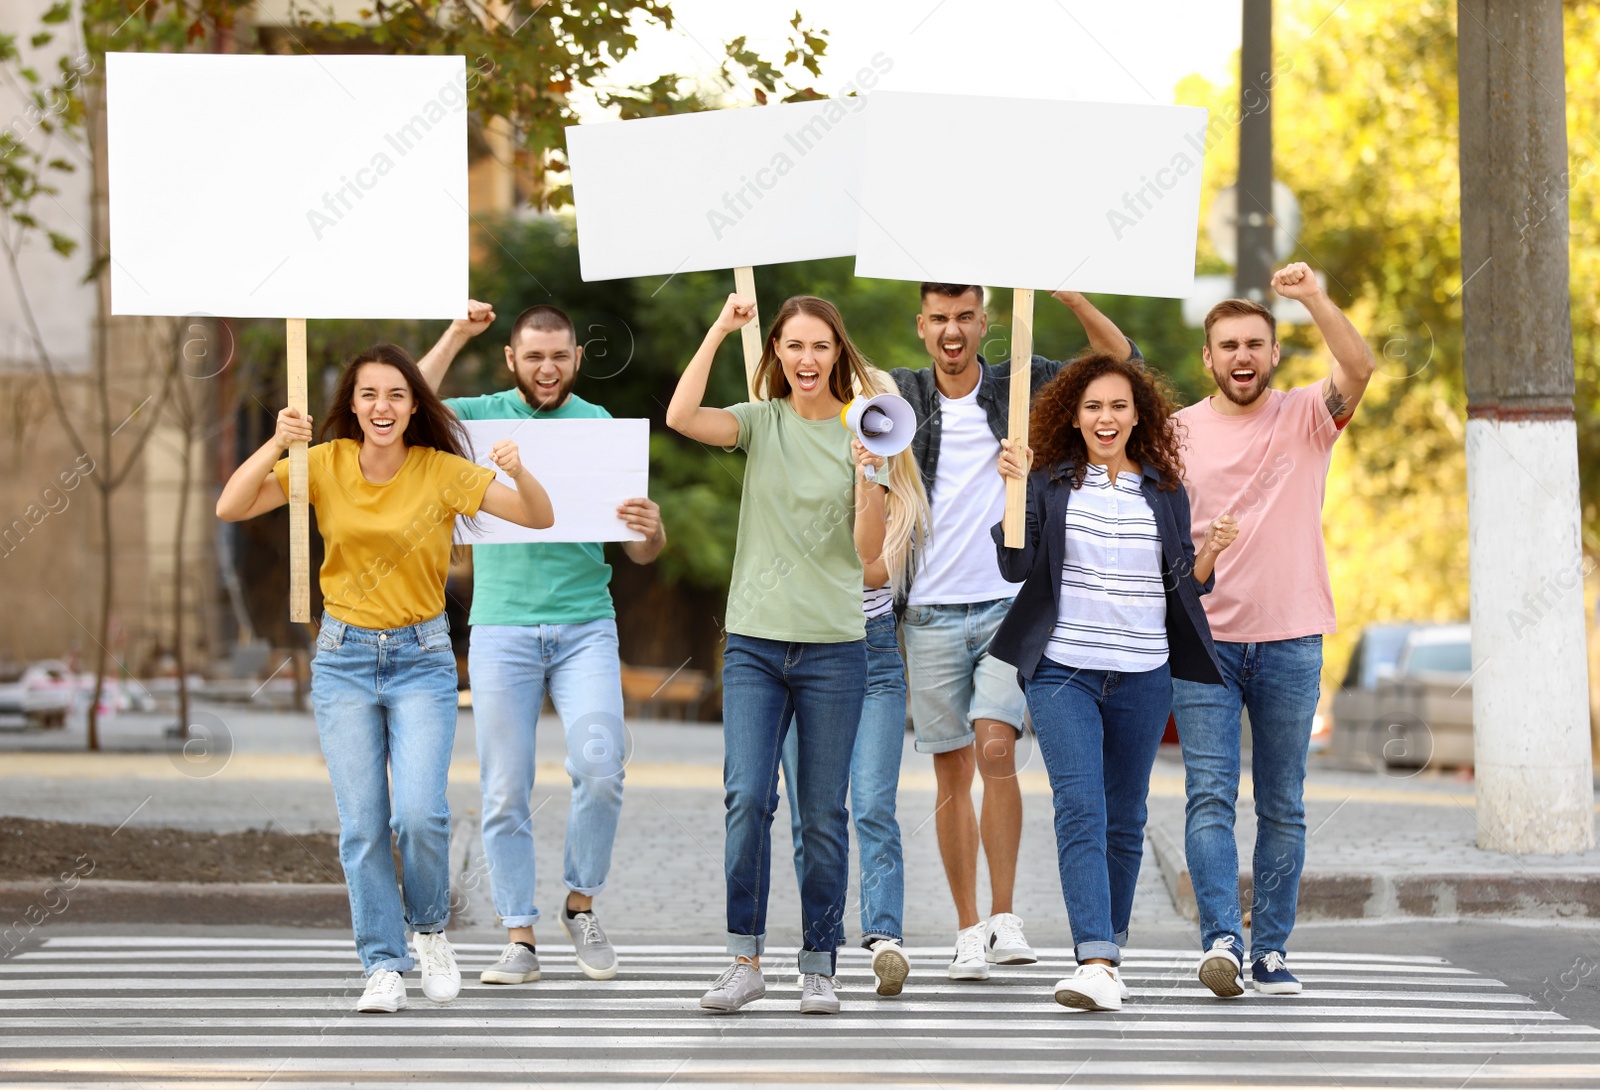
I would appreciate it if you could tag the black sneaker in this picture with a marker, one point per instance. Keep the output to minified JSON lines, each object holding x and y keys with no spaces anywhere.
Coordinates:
{"x":1272,"y":977}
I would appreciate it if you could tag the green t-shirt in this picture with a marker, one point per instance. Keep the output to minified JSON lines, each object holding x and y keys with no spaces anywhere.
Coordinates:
{"x":558,"y":582}
{"x":796,"y":575}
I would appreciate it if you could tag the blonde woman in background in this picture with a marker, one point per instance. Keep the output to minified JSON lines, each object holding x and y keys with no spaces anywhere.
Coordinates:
{"x":880,"y":738}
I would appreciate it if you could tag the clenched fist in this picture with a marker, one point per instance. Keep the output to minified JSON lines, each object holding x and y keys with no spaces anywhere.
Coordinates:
{"x":1221,"y":532}
{"x":507,"y":457}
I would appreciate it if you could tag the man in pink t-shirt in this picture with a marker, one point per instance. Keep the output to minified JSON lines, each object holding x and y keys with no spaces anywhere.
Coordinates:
{"x":1262,"y":456}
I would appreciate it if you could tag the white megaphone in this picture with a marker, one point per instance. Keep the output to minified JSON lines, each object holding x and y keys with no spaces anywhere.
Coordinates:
{"x":884,"y":423}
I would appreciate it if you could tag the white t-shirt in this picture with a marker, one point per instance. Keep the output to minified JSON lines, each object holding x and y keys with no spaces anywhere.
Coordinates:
{"x":969,"y":496}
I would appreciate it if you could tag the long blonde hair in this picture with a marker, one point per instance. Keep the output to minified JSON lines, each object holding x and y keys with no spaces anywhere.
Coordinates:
{"x":908,"y":517}
{"x":769,"y":381}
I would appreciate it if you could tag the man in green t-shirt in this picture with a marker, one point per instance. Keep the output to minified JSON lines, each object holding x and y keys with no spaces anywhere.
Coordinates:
{"x":542,"y":620}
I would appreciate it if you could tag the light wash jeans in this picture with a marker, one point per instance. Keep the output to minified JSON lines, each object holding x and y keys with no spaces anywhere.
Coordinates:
{"x":765,"y":685}
{"x":511,"y":667}
{"x":386,"y":701}
{"x":1098,"y":733}
{"x":874,"y":784}
{"x":954,"y":680}
{"x":1279,"y":681}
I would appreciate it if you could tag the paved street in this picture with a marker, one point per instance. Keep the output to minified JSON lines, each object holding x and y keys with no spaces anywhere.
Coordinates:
{"x":159,"y":1009}
{"x":1448,"y":1003}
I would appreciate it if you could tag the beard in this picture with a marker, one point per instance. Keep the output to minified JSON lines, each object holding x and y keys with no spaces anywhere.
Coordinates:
{"x":1245,"y":395}
{"x":538,"y":399}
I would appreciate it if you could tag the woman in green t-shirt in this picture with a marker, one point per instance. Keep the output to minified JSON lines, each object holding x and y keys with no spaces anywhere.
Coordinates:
{"x":808,"y":520}
{"x":388,"y":485}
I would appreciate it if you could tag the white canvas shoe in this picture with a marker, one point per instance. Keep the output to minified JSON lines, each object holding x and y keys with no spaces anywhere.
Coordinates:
{"x":441,"y":980}
{"x":385,"y":994}
{"x":1091,"y":988}
{"x":969,"y":963}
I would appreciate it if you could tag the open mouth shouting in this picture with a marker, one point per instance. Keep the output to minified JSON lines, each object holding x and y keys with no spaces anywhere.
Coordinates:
{"x":807,"y":378}
{"x":1106,"y":438}
{"x":382,"y":426}
{"x":952,"y":349}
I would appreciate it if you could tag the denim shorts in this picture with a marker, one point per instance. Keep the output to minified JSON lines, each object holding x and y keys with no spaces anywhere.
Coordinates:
{"x":953,"y":679}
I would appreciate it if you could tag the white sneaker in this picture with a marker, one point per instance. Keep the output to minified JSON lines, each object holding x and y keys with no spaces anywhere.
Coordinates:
{"x":890,"y":966}
{"x":385,"y":994}
{"x":1122,"y":985}
{"x":1004,"y":944}
{"x":969,"y":963}
{"x":441,"y":980}
{"x":1219,"y":969}
{"x":1091,"y":988}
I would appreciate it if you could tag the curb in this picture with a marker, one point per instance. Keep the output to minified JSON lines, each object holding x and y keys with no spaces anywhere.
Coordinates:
{"x":268,"y":904}
{"x":1331,"y":895}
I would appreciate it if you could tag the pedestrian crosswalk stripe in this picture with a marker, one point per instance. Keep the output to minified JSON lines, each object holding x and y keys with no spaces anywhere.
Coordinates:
{"x":166,"y":1011}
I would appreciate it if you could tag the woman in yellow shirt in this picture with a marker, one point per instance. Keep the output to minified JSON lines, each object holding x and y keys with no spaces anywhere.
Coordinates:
{"x":388,"y":484}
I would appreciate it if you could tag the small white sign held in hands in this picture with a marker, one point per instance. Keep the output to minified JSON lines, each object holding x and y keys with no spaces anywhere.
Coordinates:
{"x":588,"y":468}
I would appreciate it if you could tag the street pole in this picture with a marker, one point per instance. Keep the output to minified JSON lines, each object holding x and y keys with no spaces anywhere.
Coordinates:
{"x":1530,"y":681}
{"x":1253,"y":269}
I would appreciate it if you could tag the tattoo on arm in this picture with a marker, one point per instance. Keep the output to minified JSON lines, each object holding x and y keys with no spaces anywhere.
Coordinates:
{"x":1338,"y":404}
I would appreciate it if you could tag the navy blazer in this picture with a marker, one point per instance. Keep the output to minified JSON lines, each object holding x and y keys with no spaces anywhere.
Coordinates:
{"x":1024,"y":634}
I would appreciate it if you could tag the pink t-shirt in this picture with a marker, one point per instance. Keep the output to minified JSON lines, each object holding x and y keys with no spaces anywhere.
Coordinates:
{"x":1268,"y":469}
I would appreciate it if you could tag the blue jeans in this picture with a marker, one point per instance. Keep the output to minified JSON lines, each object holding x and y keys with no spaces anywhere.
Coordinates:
{"x":1098,"y":733}
{"x":874,"y":783}
{"x":1279,"y":682}
{"x":765,"y":684}
{"x":386,"y":701}
{"x":512,"y":666}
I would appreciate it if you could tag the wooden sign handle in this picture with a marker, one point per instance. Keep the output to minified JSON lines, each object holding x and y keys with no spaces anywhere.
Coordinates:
{"x":744,"y":282}
{"x":299,"y":481}
{"x":1016,"y":516}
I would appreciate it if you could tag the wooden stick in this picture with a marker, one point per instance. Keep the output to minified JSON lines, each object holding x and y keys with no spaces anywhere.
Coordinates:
{"x":744,"y":282}
{"x":299,"y":481}
{"x":1016,"y":516}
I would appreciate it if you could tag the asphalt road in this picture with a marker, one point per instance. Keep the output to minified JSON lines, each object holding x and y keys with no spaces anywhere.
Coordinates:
{"x":1448,"y":1005}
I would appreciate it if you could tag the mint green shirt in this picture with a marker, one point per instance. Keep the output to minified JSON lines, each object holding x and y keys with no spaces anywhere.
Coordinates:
{"x":558,"y":582}
{"x":796,"y":575}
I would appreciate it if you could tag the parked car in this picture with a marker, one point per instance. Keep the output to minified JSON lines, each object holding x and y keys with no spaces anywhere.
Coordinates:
{"x":1355,"y":704}
{"x":1416,"y":712}
{"x":40,"y":692}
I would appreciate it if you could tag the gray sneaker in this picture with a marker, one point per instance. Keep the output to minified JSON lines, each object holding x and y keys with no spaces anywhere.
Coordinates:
{"x":517,"y":965}
{"x":596,"y":956}
{"x":816,"y":995}
{"x":739,"y":984}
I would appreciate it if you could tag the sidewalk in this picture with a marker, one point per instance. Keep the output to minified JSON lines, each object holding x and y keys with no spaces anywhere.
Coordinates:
{"x":1379,"y":846}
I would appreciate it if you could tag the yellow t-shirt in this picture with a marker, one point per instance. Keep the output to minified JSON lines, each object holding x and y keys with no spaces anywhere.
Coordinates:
{"x":386,"y":547}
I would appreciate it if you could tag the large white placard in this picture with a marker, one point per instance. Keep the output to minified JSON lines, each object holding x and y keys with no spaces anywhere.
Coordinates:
{"x":716,"y":190}
{"x":287,"y":187}
{"x":589,"y":467}
{"x":1089,"y":196}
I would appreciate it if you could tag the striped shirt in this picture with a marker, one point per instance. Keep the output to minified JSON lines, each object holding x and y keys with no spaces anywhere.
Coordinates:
{"x":1113,"y":604}
{"x":876,"y":601}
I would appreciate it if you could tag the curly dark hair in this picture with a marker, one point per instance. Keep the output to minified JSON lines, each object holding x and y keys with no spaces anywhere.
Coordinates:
{"x":1054,"y":434}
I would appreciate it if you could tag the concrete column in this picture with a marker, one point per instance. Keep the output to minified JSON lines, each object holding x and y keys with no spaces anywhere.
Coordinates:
{"x":1530,"y":682}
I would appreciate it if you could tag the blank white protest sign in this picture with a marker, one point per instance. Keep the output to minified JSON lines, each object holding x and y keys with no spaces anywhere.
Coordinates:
{"x":1087,"y":196}
{"x":287,"y":187}
{"x":719,"y":189}
{"x":588,"y":468}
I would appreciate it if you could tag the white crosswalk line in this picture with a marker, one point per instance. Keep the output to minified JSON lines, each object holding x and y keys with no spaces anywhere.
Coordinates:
{"x":161,"y":1011}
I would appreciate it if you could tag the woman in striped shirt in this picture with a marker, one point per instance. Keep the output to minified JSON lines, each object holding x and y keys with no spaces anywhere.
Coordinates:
{"x":1108,"y":614}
